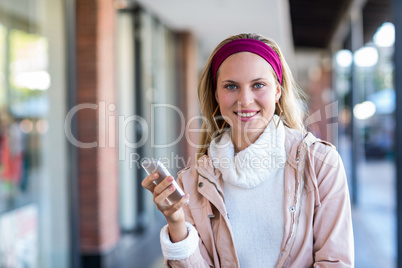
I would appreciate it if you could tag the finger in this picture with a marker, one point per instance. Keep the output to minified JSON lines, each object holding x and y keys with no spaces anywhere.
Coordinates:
{"x":175,"y":207}
{"x":148,"y":182}
{"x":163,"y":185}
{"x":160,"y":199}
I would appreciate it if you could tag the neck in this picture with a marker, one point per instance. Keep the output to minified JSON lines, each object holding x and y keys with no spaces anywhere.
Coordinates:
{"x":243,"y":140}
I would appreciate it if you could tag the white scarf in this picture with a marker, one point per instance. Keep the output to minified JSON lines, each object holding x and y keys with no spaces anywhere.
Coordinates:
{"x":253,"y":165}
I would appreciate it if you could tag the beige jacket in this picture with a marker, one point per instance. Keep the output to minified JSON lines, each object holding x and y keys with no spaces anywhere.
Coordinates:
{"x":318,"y":226}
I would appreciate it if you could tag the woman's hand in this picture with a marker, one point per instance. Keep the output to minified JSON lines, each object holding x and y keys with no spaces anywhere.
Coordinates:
{"x":174,"y":214}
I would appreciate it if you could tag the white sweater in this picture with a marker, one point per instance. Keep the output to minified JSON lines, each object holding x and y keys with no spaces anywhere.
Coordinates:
{"x":254,"y":198}
{"x":256,"y":216}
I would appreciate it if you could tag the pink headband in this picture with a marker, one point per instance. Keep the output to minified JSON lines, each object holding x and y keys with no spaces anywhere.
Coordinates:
{"x":247,"y":45}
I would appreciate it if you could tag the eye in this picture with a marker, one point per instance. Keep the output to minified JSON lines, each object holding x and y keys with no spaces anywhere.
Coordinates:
{"x":231,"y":86}
{"x":258,"y":85}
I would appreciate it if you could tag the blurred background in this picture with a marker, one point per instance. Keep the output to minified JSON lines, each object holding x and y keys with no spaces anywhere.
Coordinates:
{"x":88,"y":88}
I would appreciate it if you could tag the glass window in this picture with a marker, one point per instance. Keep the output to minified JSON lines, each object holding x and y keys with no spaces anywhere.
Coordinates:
{"x":150,"y":94}
{"x":23,"y":121}
{"x":3,"y":95}
{"x":32,"y":206}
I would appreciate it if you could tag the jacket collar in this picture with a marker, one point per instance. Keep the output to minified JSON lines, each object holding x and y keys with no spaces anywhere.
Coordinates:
{"x":294,"y":140}
{"x":207,"y":170}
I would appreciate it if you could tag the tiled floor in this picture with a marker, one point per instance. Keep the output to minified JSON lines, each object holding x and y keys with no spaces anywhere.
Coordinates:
{"x":158,"y":263}
{"x":374,"y":218}
{"x":146,"y":252}
{"x":374,"y":215}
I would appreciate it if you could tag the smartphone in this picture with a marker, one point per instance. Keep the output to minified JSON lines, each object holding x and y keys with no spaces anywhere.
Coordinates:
{"x":152,"y":166}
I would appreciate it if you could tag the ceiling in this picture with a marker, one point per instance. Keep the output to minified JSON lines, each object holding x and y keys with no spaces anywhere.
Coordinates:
{"x":309,"y":24}
{"x":214,"y":20}
{"x":314,"y":22}
{"x":375,"y":13}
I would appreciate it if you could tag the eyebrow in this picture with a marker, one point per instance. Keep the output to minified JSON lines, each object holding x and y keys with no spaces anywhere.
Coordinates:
{"x":260,"y":78}
{"x":229,"y":81}
{"x":234,"y":82}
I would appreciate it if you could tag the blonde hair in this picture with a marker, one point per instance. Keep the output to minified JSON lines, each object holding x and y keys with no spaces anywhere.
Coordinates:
{"x":291,"y":99}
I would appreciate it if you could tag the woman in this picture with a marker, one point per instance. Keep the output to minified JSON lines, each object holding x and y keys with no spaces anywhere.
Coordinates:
{"x":263,"y":193}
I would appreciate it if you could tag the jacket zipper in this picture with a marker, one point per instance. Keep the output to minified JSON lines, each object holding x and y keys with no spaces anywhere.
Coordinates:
{"x":301,"y":196}
{"x":297,"y":220}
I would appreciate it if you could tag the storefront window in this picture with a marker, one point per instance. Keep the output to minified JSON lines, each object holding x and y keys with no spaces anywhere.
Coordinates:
{"x":23,"y":123}
{"x":27,"y":219}
{"x":29,"y":77}
{"x":367,"y":127}
{"x":2,"y":65}
{"x":151,"y":95}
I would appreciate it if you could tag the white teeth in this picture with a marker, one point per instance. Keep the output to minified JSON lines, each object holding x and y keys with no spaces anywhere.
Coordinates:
{"x":247,"y":114}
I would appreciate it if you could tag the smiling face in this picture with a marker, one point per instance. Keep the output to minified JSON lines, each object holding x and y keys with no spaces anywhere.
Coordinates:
{"x":246,"y":92}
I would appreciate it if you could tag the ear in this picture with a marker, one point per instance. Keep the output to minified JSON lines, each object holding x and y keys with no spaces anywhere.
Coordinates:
{"x":216,"y":96}
{"x":278,"y":93}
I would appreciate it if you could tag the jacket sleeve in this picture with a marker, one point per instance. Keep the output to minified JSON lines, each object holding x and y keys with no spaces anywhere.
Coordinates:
{"x":199,"y":258}
{"x":332,"y":226}
{"x":182,"y":249}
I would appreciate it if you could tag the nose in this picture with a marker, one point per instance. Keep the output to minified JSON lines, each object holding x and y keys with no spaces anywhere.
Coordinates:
{"x":245,"y":97}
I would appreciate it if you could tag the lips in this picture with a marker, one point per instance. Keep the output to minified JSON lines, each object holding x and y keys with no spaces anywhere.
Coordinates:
{"x":246,"y":115}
